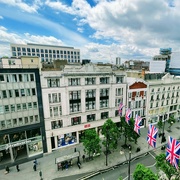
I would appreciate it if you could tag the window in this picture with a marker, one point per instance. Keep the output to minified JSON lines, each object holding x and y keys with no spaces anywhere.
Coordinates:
{"x":18,"y":107}
{"x":3,"y":125}
{"x":104,"y":103}
{"x":91,"y":117}
{"x":104,"y":80}
{"x":22,"y":92}
{"x":31,"y":77}
{"x":31,"y":119}
{"x":28,"y":93}
{"x":53,"y":82}
{"x":4,"y":94}
{"x":6,"y":108}
{"x":26,"y":77}
{"x":35,"y":105}
{"x":12,"y":108}
{"x":104,"y":115}
{"x":89,"y":81}
{"x":26,"y":120}
{"x":75,"y":107}
{"x":29,"y":105}
{"x":9,"y":123}
{"x":75,"y":120}
{"x":1,"y":78}
{"x":24,"y":106}
{"x":90,"y":93}
{"x":33,"y":92}
{"x":16,"y":93}
{"x":14,"y":78}
{"x":119,"y":80}
{"x":36,"y":118}
{"x":119,"y":91}
{"x":15,"y":122}
{"x":74,"y":81}
{"x":55,"y":109}
{"x":90,"y":105}
{"x":104,"y":92}
{"x":56,"y":124}
{"x":74,"y":95}
{"x":20,"y":121}
{"x":20,"y":78}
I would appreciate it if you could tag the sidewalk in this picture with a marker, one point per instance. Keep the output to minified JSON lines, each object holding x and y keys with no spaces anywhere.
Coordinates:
{"x":49,"y":168}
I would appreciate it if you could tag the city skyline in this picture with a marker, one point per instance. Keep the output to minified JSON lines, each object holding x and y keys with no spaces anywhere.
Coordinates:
{"x":101,"y":29}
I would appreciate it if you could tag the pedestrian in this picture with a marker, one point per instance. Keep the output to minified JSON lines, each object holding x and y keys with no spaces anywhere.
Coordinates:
{"x":83,"y":157}
{"x":7,"y":170}
{"x":79,"y":165}
{"x":17,"y":167}
{"x":35,"y":161}
{"x":34,"y":167}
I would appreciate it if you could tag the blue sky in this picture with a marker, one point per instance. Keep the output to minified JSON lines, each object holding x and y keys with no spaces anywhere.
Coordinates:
{"x":101,"y":29}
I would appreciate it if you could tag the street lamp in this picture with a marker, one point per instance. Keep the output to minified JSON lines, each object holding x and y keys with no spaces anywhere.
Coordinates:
{"x":129,"y":165}
{"x":163,"y":134}
{"x":107,"y":144}
{"x":128,"y":160}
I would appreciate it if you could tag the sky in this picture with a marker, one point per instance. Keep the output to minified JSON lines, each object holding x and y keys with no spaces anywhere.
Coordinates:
{"x":101,"y":29}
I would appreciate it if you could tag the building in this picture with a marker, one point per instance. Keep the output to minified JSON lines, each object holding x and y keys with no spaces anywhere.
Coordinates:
{"x":47,"y":53}
{"x":174,"y":68}
{"x":21,"y":62}
{"x":163,"y":98}
{"x":78,"y":98}
{"x":137,"y":98}
{"x":161,"y":62}
{"x":136,"y":65}
{"x":22,"y":133}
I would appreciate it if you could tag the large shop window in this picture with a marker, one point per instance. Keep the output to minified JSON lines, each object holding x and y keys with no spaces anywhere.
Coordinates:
{"x":66,"y":139}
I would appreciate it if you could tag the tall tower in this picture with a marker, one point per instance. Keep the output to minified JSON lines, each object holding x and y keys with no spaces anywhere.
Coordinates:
{"x":118,"y":61}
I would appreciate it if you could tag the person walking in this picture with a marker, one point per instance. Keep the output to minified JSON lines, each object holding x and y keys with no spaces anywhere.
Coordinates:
{"x":7,"y":170}
{"x":17,"y":167}
{"x":83,"y":157}
{"x":35,"y":164}
{"x":79,"y":165}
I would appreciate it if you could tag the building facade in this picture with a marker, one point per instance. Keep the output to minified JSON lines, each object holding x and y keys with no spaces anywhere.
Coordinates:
{"x":163,"y":98}
{"x":79,"y":98}
{"x":137,"y":98}
{"x":22,"y":134}
{"x":47,"y":53}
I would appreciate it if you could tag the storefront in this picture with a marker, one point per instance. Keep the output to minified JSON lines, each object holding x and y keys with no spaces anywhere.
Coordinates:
{"x":20,"y":145}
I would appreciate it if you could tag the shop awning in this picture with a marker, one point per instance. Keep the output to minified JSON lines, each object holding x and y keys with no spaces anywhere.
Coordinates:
{"x":66,"y":157}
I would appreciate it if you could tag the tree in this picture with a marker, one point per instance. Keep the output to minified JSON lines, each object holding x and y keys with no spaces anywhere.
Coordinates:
{"x":111,"y":133}
{"x":144,"y":173}
{"x":165,"y":166}
{"x":171,"y":121}
{"x":91,"y":142}
{"x":128,"y":131}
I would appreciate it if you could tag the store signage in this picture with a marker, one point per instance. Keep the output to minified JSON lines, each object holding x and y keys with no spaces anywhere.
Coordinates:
{"x":87,"y":125}
{"x":19,"y":143}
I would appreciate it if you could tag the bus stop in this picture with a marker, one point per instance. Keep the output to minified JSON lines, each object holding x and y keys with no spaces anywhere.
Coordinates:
{"x":66,"y":158}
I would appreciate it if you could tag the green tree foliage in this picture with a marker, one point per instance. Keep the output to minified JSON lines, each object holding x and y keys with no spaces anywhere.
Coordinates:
{"x":111,"y":134}
{"x":91,"y":142}
{"x":171,"y":121}
{"x":143,"y":173}
{"x":165,"y":166}
{"x":160,"y":124}
{"x":128,"y":130}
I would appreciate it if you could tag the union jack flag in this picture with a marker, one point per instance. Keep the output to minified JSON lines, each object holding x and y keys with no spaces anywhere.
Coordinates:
{"x":152,"y":135}
{"x":120,"y":108}
{"x":128,"y":115}
{"x":173,"y":152}
{"x":137,"y":124}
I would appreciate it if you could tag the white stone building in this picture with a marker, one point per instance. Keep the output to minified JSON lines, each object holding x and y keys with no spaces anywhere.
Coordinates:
{"x":47,"y":53}
{"x":79,"y":98}
{"x":163,"y":98}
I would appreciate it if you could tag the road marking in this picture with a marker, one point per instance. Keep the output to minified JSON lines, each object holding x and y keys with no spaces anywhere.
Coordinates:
{"x":152,"y":155}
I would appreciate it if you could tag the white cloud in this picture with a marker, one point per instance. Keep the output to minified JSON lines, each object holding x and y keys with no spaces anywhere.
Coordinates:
{"x":7,"y":37}
{"x":30,"y":8}
{"x":1,"y":17}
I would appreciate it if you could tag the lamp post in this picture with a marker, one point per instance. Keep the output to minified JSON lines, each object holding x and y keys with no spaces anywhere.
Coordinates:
{"x":107,"y":141}
{"x":129,"y":165}
{"x":163,"y":134}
